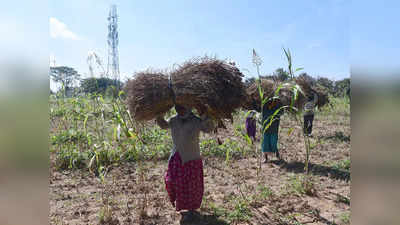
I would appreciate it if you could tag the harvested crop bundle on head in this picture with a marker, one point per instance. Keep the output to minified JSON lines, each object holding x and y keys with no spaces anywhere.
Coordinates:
{"x":292,"y":94}
{"x":198,"y":83}
{"x":305,"y":84}
{"x":286,"y":93}
{"x":310,"y":87}
{"x":209,"y":82}
{"x":322,"y":94}
{"x":253,"y":100}
{"x":148,"y":95}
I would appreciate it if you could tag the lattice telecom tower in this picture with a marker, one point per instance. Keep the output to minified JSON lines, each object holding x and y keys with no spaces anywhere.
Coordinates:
{"x":113,"y":59}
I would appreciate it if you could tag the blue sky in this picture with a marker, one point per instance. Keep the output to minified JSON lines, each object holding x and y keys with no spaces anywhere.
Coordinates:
{"x":375,"y":35}
{"x":158,"y":34}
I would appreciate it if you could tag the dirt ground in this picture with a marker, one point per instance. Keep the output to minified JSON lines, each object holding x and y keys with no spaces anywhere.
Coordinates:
{"x":235,"y":192}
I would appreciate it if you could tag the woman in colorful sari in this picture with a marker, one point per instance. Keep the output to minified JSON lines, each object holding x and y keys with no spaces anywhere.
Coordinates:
{"x":251,"y":125}
{"x":269,"y":145}
{"x":184,"y":177}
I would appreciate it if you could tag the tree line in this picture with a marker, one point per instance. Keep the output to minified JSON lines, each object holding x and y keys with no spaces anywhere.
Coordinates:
{"x":72,"y":83}
{"x":339,"y":88}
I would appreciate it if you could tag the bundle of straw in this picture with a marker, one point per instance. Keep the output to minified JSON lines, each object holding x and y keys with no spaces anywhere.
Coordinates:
{"x":198,"y":83}
{"x":148,"y":95}
{"x":289,"y":93}
{"x":323,"y":98}
{"x":209,"y":82}
{"x":305,"y":84}
{"x":292,"y":94}
{"x":253,"y":99}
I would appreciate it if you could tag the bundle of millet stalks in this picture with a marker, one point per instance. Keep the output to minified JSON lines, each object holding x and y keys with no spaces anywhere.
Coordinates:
{"x":197,"y":83}
{"x":290,"y":93}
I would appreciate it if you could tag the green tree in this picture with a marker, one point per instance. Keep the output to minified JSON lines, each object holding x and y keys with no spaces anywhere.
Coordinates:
{"x":327,"y":84}
{"x":281,"y":74}
{"x":66,"y":76}
{"x":342,"y":87}
{"x":102,"y":86}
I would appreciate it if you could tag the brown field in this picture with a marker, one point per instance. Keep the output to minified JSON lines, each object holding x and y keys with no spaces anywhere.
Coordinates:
{"x":132,"y":191}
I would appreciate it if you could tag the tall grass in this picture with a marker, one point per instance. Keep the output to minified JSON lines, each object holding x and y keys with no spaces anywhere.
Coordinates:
{"x":97,"y":133}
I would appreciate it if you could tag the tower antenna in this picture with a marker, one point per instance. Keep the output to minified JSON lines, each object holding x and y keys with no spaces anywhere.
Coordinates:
{"x":112,"y":40}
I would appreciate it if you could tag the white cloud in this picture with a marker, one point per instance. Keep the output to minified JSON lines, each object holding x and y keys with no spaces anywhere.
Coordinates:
{"x":59,"y":29}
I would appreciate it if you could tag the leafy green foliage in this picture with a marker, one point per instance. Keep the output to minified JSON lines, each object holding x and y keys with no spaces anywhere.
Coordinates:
{"x":101,"y":86}
{"x":341,"y":87}
{"x":241,"y":211}
{"x":70,"y":159}
{"x":218,"y":211}
{"x":64,"y":75}
{"x":265,"y":192}
{"x":345,"y":218}
{"x":69,"y":136}
{"x":281,"y":74}
{"x":342,"y":165}
{"x":229,"y":149}
{"x":300,"y":184}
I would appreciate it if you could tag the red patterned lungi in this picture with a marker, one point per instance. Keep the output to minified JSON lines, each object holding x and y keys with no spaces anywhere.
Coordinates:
{"x":184,"y":183}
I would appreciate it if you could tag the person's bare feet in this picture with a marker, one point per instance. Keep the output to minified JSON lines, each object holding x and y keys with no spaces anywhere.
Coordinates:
{"x":265,"y":158}
{"x":278,"y":156}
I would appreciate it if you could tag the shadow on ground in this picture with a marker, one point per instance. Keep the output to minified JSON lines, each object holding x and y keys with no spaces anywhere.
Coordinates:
{"x":315,"y":169}
{"x":338,"y":136}
{"x":199,"y":219}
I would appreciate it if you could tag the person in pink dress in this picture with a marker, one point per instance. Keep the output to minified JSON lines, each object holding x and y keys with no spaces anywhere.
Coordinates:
{"x":184,"y":177}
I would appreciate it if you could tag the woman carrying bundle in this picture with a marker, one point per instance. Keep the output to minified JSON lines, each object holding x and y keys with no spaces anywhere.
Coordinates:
{"x":184,"y":177}
{"x":251,"y":125}
{"x":308,"y":113}
{"x":269,"y":144}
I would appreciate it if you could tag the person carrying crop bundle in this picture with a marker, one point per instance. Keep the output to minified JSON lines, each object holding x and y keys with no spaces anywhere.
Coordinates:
{"x":251,"y":124}
{"x":184,"y":177}
{"x":269,"y":145}
{"x":308,"y":113}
